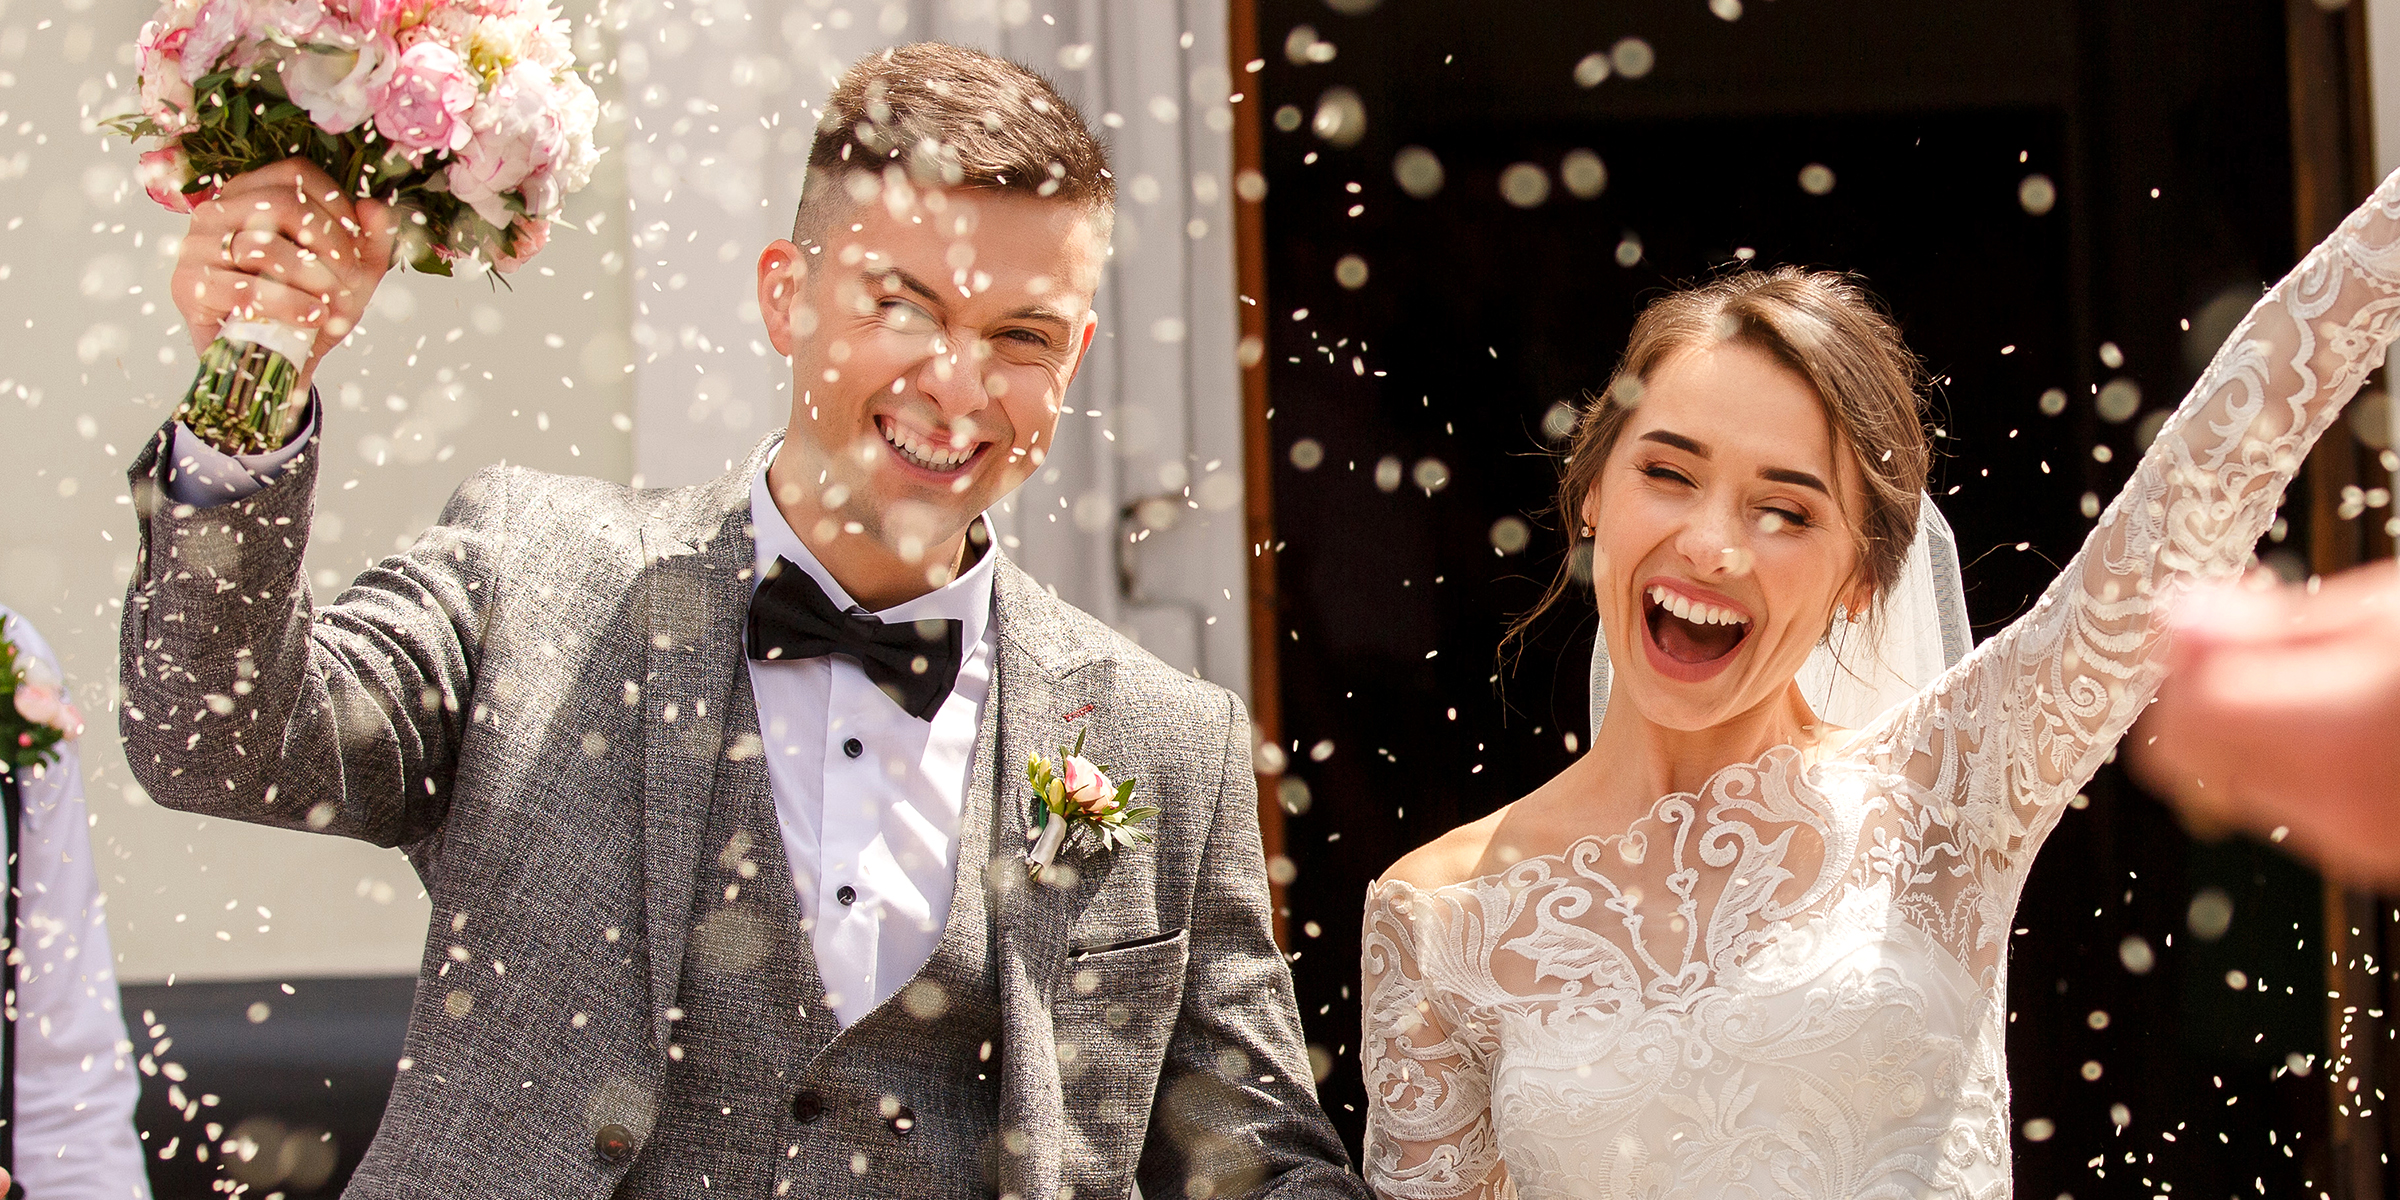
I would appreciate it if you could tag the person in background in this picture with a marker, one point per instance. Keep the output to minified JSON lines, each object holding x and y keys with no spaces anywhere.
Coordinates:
{"x":2281,"y":715}
{"x":73,"y":1071}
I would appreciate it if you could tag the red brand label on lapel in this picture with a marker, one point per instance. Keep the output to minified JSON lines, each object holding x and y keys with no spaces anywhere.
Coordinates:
{"x":1085,"y":711}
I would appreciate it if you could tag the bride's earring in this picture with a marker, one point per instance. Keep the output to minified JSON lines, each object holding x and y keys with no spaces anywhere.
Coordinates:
{"x":1587,"y":532}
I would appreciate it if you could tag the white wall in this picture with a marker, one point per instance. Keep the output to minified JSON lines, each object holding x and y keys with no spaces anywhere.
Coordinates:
{"x":91,"y":361}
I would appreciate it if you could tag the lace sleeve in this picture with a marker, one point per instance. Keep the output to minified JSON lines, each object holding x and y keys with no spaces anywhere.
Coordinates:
{"x":2013,"y":730}
{"x":1429,"y":1117}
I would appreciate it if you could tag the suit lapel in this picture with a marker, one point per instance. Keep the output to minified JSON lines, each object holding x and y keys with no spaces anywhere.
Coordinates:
{"x":1046,"y":687}
{"x":696,"y":554}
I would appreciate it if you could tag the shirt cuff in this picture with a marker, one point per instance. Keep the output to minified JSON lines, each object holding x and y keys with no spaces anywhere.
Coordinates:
{"x":203,"y":476}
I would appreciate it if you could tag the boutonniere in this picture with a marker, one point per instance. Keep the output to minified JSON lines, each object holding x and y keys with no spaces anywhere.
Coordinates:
{"x":1074,"y":792}
{"x":35,"y":714}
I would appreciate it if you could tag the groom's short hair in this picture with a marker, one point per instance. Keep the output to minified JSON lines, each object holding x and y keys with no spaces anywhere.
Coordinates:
{"x":946,"y":116}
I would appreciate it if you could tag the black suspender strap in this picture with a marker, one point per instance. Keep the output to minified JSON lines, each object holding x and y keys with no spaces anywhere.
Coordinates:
{"x":11,"y":958}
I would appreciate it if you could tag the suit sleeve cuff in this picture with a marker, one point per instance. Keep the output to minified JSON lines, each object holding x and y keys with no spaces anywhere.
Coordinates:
{"x":203,"y":476}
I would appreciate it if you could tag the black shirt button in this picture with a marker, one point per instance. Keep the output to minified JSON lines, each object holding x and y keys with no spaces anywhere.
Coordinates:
{"x":614,"y":1143}
{"x":904,"y":1121}
{"x":847,"y":895}
{"x":854,"y":747}
{"x":807,"y":1107}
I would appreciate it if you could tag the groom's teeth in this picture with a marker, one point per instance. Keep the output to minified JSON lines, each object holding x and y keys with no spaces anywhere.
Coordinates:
{"x":925,"y":453}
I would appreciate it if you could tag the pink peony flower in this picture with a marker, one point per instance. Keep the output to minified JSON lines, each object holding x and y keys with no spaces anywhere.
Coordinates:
{"x":166,"y":90}
{"x":422,"y":106}
{"x":1087,"y":788}
{"x":163,"y":173}
{"x":377,"y":16}
{"x":518,"y":132}
{"x":526,"y":238}
{"x":339,"y":87}
{"x":301,"y":21}
{"x":220,"y":26}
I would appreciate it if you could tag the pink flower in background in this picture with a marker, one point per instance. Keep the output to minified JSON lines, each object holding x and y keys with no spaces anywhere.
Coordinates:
{"x":43,"y":705}
{"x":163,"y":173}
{"x":422,"y":106}
{"x":1088,"y":789}
{"x":338,"y":87}
{"x":526,"y":239}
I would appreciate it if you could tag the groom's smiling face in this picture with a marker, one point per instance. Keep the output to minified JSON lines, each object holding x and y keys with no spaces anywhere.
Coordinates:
{"x":932,"y":337}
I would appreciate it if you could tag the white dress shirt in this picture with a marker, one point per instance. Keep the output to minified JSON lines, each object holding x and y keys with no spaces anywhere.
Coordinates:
{"x":869,"y":797}
{"x":872,"y":834}
{"x":75,"y":1082}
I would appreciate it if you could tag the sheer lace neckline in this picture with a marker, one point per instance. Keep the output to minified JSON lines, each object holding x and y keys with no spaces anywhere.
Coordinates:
{"x":1783,"y":760}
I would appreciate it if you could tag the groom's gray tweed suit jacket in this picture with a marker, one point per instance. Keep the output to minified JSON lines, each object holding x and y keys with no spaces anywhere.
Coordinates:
{"x":544,"y":703}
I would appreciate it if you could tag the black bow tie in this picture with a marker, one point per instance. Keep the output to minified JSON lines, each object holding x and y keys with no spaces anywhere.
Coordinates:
{"x":914,"y":662}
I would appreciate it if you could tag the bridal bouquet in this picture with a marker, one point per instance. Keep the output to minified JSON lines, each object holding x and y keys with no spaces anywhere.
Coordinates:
{"x":466,"y":115}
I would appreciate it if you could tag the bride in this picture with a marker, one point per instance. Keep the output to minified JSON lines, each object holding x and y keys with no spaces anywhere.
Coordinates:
{"x":1735,"y":950}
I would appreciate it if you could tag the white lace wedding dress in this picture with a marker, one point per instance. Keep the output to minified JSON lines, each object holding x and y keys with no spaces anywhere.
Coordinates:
{"x":1694,"y":1007}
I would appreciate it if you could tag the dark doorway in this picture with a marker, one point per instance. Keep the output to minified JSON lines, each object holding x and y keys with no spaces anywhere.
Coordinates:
{"x":1408,"y":420}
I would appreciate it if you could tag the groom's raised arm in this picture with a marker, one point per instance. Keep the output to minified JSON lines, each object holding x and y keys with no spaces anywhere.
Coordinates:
{"x":1237,"y":1100}
{"x":243,"y":700}
{"x":239,"y":699}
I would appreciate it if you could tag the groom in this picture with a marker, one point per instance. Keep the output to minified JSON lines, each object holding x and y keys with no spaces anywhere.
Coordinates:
{"x":719,"y":793}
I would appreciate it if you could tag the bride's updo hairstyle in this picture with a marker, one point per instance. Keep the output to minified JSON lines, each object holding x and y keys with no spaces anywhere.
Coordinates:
{"x":1823,"y":327}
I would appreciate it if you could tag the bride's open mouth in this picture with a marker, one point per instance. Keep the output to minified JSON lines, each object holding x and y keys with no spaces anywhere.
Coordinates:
{"x":928,"y":453}
{"x":1690,"y":639}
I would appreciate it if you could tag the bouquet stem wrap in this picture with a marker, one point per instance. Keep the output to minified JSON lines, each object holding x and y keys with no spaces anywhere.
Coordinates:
{"x":246,"y":399}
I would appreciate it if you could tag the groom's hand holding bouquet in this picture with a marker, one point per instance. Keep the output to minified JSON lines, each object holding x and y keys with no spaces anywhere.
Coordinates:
{"x":283,"y":244}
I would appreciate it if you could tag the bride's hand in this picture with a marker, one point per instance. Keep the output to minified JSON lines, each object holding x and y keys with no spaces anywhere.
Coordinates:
{"x":286,"y":244}
{"x":2282,"y":711}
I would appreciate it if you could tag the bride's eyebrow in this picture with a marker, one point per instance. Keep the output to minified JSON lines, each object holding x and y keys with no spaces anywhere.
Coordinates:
{"x":1797,"y":478}
{"x":1774,"y":474}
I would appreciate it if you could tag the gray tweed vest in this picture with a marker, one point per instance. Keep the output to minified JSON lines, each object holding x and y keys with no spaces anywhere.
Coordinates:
{"x":764,"y":1094}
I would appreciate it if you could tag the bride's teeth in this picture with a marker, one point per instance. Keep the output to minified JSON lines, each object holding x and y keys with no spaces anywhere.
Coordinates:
{"x":1692,"y":610}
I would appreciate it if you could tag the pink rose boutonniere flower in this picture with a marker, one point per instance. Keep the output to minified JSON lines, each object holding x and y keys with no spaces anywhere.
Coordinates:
{"x":1073,"y":793}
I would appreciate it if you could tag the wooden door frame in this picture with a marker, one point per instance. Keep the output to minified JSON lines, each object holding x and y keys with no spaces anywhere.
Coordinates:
{"x":1258,"y":450}
{"x":2333,"y":169}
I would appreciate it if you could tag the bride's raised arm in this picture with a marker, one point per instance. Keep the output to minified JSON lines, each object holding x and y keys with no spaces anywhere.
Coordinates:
{"x":2017,"y":727}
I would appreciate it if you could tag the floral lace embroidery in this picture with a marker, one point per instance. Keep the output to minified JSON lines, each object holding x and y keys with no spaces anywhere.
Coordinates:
{"x":1793,"y":981}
